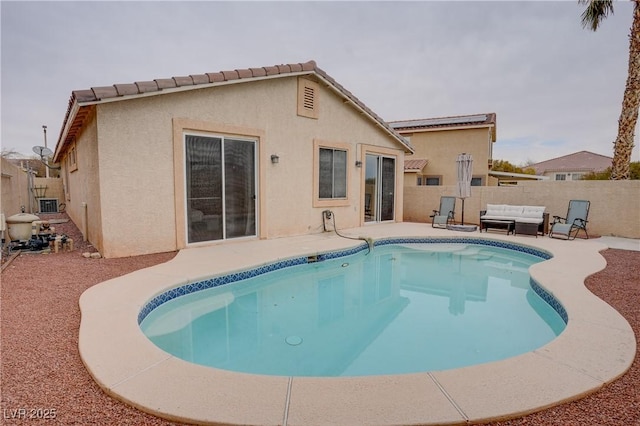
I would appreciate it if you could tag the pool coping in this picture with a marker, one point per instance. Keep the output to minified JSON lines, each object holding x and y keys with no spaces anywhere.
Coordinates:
{"x":597,"y":346}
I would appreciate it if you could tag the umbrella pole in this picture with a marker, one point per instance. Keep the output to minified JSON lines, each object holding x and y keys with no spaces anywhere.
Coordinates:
{"x":463,"y":211}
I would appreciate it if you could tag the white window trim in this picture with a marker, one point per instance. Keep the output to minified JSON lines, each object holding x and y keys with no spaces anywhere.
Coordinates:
{"x":330,"y":202}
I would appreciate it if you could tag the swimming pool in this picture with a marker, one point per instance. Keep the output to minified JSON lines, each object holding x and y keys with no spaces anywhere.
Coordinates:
{"x":405,"y":307}
{"x":596,"y":347}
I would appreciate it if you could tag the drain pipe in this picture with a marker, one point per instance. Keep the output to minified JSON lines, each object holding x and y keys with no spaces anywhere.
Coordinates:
{"x":85,"y":221}
{"x":329,"y":215}
{"x":3,"y":229}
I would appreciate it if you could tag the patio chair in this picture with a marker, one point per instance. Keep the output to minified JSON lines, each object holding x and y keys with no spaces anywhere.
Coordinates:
{"x":576,"y":220}
{"x":445,"y":214}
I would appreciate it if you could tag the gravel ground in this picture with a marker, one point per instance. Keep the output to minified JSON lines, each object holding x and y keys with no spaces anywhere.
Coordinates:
{"x":42,"y":374}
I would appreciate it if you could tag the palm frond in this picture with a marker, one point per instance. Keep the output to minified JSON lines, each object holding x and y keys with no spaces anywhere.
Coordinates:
{"x":595,"y":12}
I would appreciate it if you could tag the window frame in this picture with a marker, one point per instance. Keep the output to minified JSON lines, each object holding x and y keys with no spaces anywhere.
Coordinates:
{"x":225,"y":139}
{"x":72,"y":161}
{"x":577,"y":176}
{"x":188,"y":125}
{"x":330,"y":202}
{"x":422,"y":179}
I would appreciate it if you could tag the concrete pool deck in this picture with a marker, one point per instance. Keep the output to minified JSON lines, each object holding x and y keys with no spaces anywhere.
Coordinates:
{"x":597,"y":346}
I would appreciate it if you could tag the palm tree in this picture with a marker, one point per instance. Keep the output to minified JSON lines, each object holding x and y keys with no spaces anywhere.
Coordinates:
{"x":595,"y":12}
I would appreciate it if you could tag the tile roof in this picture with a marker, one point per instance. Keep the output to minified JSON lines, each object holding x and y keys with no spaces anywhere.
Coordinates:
{"x":581,"y":161}
{"x":415,"y":165}
{"x":81,"y":100}
{"x":452,"y":122}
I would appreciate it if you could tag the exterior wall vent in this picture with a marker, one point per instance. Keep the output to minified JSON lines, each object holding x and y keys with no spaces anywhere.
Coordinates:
{"x":308,"y":98}
{"x":48,"y":205}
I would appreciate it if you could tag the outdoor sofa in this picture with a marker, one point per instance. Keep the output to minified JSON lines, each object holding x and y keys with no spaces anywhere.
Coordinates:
{"x":529,"y":220}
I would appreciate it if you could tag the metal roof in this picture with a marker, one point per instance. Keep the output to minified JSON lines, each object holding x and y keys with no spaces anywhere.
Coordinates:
{"x":440,"y":121}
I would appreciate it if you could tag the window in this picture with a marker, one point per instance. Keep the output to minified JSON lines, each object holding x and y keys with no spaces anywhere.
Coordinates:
{"x":428,"y":180}
{"x":561,"y":176}
{"x":476,"y":181}
{"x":332,"y":182}
{"x":577,"y":176}
{"x":72,"y":163}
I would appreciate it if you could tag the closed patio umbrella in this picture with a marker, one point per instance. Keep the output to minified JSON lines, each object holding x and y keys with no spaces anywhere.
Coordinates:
{"x":464,"y":164}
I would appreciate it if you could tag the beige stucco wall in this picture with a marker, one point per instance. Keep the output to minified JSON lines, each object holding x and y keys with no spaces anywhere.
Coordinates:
{"x":442,"y":147}
{"x":82,"y":186}
{"x":614,"y":204}
{"x":15,"y":189}
{"x":138,"y":163}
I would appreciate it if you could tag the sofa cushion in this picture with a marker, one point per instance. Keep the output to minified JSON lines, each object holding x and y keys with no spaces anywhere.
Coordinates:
{"x":513,"y":211}
{"x":495,"y":210}
{"x":536,"y":212}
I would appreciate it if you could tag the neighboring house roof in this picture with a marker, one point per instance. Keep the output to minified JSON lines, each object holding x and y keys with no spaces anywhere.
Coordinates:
{"x":581,"y":161}
{"x":29,"y":163}
{"x":415,"y":166}
{"x":522,"y":176}
{"x":81,"y":100}
{"x":447,"y":123}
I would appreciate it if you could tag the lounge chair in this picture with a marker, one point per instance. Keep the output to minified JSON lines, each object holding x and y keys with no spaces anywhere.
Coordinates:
{"x":443,"y":216}
{"x":576,"y":220}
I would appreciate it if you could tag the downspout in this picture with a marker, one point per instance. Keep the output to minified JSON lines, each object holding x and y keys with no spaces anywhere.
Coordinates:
{"x":85,"y":221}
{"x":3,"y":228}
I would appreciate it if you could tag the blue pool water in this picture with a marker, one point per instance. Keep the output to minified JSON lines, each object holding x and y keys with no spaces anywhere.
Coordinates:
{"x":402,"y":308}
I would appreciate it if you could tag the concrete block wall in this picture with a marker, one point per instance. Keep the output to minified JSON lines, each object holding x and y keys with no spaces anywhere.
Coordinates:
{"x":54,"y":189}
{"x":15,"y":189}
{"x":615,"y":205}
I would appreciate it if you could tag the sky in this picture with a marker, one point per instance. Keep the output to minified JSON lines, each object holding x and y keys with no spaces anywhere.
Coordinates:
{"x":556,"y":88}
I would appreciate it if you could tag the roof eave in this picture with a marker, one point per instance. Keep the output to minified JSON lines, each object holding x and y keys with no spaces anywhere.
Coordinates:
{"x":72,"y":112}
{"x":363,"y":110}
{"x":308,"y":68}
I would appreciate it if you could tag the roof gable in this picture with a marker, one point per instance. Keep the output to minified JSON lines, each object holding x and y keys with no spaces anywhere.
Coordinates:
{"x":82,"y":100}
{"x":578,"y":161}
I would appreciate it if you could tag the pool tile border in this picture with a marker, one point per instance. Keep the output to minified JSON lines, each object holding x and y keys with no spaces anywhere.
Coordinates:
{"x":252,"y":272}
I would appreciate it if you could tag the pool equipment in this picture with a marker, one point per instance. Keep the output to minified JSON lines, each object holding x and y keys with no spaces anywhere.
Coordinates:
{"x":27,"y":232}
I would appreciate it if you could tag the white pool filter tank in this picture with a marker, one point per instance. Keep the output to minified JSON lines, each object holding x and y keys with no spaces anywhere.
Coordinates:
{"x":19,"y":226}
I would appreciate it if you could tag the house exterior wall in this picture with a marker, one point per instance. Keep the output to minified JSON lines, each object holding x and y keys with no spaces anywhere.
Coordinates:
{"x":141,"y":160}
{"x":568,"y":174}
{"x":613,"y":210}
{"x":81,"y":180}
{"x":441,"y":148}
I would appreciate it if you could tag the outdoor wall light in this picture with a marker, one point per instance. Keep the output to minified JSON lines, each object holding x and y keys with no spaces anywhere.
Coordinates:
{"x":358,"y":163}
{"x":275,"y":159}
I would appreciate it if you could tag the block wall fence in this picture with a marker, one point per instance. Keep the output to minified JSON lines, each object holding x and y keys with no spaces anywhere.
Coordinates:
{"x":614,"y":211}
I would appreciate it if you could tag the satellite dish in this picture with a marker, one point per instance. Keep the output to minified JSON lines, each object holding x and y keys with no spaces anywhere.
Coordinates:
{"x":42,"y":151}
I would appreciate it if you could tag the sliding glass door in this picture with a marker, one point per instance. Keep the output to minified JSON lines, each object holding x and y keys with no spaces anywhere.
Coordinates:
{"x":380,"y":184}
{"x":220,"y":188}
